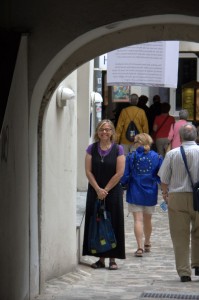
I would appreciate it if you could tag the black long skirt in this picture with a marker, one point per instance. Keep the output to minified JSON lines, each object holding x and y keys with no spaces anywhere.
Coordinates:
{"x":114,"y":204}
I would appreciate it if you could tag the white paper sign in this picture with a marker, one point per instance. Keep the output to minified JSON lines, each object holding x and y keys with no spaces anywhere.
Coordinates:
{"x":149,"y":64}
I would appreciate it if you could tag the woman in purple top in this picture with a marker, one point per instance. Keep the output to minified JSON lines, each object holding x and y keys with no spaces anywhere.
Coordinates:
{"x":104,"y":166}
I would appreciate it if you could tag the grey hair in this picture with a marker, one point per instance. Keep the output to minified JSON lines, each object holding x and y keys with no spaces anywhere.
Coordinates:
{"x":188,"y":132}
{"x":183,"y":114}
{"x":134,"y":99}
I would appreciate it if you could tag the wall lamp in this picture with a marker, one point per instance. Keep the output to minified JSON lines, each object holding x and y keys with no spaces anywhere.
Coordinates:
{"x":96,"y":97}
{"x":64,"y":94}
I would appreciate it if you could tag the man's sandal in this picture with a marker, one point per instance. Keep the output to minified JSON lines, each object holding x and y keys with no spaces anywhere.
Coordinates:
{"x":98,"y":265}
{"x":113,"y":265}
{"x":147,"y":248}
{"x":139,"y":252}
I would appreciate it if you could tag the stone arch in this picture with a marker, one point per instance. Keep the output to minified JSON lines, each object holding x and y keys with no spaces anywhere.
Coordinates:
{"x":81,"y":50}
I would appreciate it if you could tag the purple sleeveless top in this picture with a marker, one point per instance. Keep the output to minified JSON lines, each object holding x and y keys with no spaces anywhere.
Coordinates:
{"x":105,"y":152}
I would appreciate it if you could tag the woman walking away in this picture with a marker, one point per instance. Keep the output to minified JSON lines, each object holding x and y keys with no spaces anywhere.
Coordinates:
{"x":161,"y":127}
{"x":141,"y":170}
{"x":174,"y":135}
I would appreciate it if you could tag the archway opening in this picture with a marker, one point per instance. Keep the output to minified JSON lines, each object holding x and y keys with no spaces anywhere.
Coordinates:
{"x":131,"y":34}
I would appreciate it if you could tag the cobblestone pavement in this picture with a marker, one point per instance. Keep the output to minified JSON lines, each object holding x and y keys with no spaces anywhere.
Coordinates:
{"x":148,"y":277}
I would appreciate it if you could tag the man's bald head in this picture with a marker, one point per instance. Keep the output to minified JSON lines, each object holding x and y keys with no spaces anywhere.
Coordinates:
{"x":188,"y":132}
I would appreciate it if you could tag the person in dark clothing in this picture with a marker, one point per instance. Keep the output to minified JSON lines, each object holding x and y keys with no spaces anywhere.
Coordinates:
{"x":155,"y":110}
{"x":142,"y":104}
{"x":104,"y":166}
{"x":118,"y":109}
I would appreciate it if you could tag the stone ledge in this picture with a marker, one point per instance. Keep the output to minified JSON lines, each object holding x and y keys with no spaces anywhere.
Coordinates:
{"x":80,"y":207}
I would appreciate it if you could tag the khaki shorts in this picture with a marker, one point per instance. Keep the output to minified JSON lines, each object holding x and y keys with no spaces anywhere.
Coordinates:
{"x":146,"y":209}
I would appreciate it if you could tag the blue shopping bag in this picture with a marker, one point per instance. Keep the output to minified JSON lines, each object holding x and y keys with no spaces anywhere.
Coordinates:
{"x":101,"y":237}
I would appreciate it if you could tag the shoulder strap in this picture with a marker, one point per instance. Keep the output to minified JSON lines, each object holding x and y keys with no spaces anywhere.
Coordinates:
{"x":162,"y":124}
{"x":185,"y":162}
{"x":134,"y":116}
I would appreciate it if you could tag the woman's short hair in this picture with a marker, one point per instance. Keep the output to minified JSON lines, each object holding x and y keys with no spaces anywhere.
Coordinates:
{"x":165,"y":107}
{"x":156,"y":98}
{"x":134,"y":99}
{"x":102,"y":123}
{"x":183,"y":114}
{"x":145,"y":140}
{"x":143,"y":99}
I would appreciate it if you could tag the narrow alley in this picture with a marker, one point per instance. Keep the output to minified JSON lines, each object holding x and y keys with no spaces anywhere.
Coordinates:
{"x":152,"y":276}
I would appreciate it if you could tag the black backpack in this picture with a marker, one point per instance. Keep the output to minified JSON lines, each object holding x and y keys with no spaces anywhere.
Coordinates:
{"x":131,"y":131}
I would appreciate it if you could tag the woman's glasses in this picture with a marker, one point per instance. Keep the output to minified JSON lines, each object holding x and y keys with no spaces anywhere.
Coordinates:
{"x":105,"y":129}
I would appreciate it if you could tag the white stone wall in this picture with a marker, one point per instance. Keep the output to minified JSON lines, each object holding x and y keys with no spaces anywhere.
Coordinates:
{"x":59,"y":185}
{"x":84,"y":115}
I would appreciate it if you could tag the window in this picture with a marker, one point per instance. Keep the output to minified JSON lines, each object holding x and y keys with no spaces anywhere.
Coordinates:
{"x":187,"y":72}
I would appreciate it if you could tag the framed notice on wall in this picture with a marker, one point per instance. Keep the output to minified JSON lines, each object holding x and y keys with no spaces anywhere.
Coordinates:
{"x":120,"y":93}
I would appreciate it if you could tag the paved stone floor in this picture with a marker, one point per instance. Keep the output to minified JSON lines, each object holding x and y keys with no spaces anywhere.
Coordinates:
{"x":151,"y":276}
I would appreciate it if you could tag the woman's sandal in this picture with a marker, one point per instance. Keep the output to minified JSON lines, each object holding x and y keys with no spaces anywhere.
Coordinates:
{"x":139,"y":252}
{"x":113,"y":265}
{"x":98,"y":265}
{"x":147,"y":248}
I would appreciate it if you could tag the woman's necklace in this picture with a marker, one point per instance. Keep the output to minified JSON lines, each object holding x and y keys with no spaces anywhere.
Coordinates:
{"x":103,"y":148}
{"x":102,"y":158}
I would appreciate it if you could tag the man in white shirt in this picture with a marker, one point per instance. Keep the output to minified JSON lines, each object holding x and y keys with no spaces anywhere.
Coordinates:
{"x":177,"y":191}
